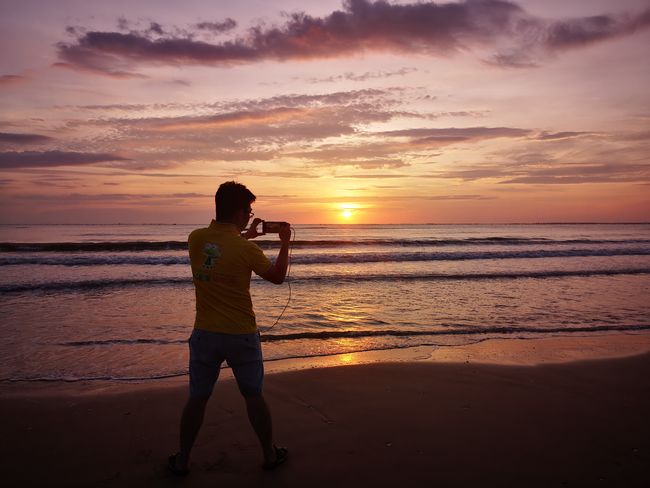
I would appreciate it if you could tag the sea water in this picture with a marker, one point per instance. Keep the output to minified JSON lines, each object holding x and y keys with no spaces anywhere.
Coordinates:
{"x":83,"y":302}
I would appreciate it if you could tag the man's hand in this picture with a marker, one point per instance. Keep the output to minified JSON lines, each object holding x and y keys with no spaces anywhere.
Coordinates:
{"x":252,"y":233}
{"x":285,"y":233}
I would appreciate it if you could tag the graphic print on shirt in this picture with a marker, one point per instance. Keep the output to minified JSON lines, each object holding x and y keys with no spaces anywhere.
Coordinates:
{"x":212,"y":252}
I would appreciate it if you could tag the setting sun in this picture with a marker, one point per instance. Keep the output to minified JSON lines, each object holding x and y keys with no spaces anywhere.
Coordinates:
{"x":348,"y":210}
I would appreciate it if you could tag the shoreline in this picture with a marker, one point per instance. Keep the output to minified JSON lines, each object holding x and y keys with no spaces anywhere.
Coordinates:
{"x":529,"y":351}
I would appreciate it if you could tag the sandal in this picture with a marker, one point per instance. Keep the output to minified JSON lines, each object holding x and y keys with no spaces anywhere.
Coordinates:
{"x":281,"y":455}
{"x":171,"y":466}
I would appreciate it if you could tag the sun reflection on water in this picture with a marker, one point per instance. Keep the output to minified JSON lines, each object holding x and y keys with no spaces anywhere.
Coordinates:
{"x":349,"y":309}
{"x":355,"y":344}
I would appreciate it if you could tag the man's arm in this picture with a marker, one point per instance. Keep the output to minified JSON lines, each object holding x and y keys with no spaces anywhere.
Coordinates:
{"x":278,"y":270}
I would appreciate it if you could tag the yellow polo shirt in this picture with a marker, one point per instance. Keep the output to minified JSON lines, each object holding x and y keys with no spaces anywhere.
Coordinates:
{"x":222,"y":262}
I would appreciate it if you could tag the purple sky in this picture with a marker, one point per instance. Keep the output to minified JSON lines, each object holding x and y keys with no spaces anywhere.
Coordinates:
{"x":361,"y":111}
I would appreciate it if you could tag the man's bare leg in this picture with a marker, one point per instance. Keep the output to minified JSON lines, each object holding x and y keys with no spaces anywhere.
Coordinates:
{"x":260,"y":418}
{"x":191,"y":422}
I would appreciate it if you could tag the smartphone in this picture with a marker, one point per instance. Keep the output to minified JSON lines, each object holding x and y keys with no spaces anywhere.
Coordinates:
{"x":271,"y":227}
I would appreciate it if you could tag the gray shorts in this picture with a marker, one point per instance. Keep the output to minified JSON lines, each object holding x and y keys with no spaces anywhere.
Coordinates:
{"x":242,"y":352}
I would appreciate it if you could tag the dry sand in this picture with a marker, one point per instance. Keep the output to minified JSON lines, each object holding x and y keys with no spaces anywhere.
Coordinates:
{"x":501,"y":413}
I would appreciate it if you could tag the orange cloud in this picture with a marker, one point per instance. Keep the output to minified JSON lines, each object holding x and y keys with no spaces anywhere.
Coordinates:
{"x":7,"y":80}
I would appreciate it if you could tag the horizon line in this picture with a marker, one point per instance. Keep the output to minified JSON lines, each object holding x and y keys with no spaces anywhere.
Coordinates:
{"x":360,"y":224}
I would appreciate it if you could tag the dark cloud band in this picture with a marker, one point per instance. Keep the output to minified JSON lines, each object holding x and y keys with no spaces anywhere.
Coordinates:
{"x":35,"y":159}
{"x":10,"y":138}
{"x":361,"y":26}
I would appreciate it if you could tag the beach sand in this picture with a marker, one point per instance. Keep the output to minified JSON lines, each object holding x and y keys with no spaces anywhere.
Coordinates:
{"x":570,"y":411}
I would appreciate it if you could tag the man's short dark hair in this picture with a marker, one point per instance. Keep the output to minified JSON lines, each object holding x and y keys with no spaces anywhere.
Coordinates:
{"x":231,"y":197}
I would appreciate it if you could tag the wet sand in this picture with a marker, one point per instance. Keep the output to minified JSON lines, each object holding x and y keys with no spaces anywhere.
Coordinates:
{"x":552,"y":412}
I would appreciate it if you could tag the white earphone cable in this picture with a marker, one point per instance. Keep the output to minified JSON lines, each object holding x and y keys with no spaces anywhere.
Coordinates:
{"x":293,"y":231}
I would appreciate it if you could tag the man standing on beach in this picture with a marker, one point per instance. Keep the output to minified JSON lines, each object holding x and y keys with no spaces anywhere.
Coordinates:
{"x":225,"y":329}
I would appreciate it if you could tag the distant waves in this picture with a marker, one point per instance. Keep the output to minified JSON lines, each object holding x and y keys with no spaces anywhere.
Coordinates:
{"x":85,"y":285}
{"x":395,"y":255}
{"x":125,"y":246}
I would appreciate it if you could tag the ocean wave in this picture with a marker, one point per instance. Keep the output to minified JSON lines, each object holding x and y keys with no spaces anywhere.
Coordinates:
{"x":87,"y":285}
{"x":323,"y":258}
{"x":478,"y":276}
{"x":356,"y":334}
{"x":121,"y":342}
{"x":127,"y":246}
{"x":360,"y":334}
{"x":77,"y":379}
{"x":92,"y":246}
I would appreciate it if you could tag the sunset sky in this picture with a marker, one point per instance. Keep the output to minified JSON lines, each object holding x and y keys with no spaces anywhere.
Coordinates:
{"x":329,"y":111}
